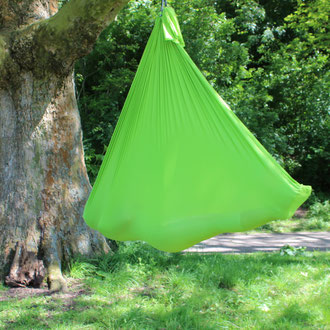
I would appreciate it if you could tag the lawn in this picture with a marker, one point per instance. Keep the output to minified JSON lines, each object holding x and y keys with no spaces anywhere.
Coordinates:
{"x":317,"y":218}
{"x":142,"y":288}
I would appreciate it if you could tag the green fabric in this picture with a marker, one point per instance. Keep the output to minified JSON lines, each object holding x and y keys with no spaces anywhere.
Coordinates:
{"x":181,"y":167}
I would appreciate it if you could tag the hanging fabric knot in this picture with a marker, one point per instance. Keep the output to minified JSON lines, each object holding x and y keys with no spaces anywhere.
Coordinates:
{"x":171,"y":27}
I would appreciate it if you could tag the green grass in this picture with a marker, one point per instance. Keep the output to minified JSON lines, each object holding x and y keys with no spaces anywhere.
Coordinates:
{"x":317,"y":218}
{"x":142,"y":288}
{"x":292,"y":225}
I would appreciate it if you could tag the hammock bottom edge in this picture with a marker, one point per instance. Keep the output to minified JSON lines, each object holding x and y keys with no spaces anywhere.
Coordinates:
{"x":179,"y":233}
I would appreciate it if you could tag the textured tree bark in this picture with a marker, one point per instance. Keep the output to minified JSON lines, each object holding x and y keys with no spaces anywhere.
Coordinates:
{"x":43,"y":179}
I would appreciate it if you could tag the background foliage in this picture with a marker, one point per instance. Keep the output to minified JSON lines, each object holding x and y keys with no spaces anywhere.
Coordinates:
{"x":268,"y":59}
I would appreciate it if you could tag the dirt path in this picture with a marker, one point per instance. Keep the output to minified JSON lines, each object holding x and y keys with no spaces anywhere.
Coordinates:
{"x":247,"y":243}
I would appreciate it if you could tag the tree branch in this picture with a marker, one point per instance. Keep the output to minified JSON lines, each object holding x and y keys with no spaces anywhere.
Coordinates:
{"x":78,"y":24}
{"x":52,"y":45}
{"x":14,"y":13}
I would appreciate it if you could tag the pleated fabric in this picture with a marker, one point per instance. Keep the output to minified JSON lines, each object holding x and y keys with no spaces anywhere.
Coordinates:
{"x":180,"y":166}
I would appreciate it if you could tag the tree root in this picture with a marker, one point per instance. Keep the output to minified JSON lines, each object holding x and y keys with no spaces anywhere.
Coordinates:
{"x":26,"y":269}
{"x":55,"y":279}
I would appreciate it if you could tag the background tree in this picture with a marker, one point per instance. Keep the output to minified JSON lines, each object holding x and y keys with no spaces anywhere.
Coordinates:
{"x":43,"y":181}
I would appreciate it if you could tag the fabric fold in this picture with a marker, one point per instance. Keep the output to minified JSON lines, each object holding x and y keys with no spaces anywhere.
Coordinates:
{"x":171,"y":27}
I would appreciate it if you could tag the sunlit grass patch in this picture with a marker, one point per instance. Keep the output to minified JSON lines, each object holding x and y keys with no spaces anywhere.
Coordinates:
{"x":142,"y":288}
{"x":316,"y":218}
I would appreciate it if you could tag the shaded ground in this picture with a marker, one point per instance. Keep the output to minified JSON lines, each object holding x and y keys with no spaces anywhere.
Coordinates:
{"x":267,"y":242}
{"x":75,"y":290}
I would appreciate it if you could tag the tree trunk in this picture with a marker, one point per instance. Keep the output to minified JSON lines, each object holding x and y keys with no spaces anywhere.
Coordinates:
{"x":43,"y":179}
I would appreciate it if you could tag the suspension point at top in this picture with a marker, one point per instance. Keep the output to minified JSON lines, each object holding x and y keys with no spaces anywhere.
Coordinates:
{"x":164,"y":4}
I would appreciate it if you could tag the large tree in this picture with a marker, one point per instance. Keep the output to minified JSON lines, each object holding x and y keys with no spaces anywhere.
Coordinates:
{"x":43,"y":180}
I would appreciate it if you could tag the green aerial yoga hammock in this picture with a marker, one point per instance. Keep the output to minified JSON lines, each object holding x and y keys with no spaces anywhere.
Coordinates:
{"x":181,"y":167}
